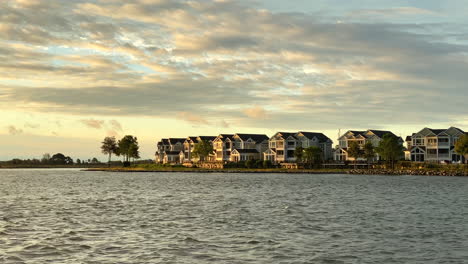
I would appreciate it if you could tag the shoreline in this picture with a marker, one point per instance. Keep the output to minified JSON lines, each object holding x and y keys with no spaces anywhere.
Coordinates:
{"x":457,"y":173}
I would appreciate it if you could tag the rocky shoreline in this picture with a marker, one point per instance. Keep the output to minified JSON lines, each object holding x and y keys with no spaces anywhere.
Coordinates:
{"x":415,"y":172}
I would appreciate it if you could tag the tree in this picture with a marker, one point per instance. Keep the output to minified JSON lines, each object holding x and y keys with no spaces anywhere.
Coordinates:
{"x":57,"y":158}
{"x":68,"y":160}
{"x":390,"y":149}
{"x":299,"y":154}
{"x":45,"y":158}
{"x":128,"y":147}
{"x":202,"y":149}
{"x":354,"y":151}
{"x":312,"y":156}
{"x":78,"y":161}
{"x":461,"y":147}
{"x":109,"y":146}
{"x":368,"y":152}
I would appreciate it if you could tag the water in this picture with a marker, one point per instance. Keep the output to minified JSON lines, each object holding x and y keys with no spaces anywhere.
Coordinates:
{"x":70,"y":216}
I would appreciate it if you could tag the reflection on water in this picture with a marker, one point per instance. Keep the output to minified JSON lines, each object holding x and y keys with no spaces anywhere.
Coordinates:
{"x":70,"y":216}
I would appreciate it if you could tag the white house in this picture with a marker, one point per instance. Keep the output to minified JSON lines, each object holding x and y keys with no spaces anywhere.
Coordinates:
{"x":283,"y":144}
{"x":435,"y":145}
{"x":248,"y":146}
{"x":361,"y":137}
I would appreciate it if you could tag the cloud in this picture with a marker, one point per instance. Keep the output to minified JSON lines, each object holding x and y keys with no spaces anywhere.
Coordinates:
{"x":115,"y":125}
{"x":12,"y":130}
{"x":206,"y":61}
{"x":31,"y":125}
{"x":92,"y":123}
{"x":256,"y":112}
{"x":396,"y":11}
{"x":192,"y":118}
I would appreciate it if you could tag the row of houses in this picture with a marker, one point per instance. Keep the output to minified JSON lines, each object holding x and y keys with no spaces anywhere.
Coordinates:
{"x":425,"y":145}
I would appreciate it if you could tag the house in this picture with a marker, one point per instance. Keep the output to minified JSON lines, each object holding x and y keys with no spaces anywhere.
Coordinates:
{"x":162,"y":146}
{"x":168,"y":150}
{"x":435,"y":145}
{"x":281,"y":147}
{"x":283,"y":144}
{"x":189,"y":144}
{"x":361,"y":137}
{"x":223,"y":146}
{"x":248,"y":146}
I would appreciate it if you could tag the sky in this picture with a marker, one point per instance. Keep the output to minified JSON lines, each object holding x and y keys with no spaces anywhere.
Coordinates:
{"x":74,"y":72}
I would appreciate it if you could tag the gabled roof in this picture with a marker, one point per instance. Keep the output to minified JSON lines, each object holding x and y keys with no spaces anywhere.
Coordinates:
{"x":165,"y":141}
{"x":381,"y":133}
{"x":285,"y":135}
{"x":437,"y":131}
{"x":320,"y":136}
{"x":408,"y":138}
{"x":226,"y":136}
{"x":176,"y":140}
{"x":208,"y":138}
{"x":255,"y":137}
{"x":192,"y":138}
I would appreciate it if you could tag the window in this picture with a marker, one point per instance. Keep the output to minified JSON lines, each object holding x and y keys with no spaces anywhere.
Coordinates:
{"x":443,"y":140}
{"x":273,"y":144}
{"x":291,"y":143}
{"x":228,"y":145}
{"x":280,"y":152}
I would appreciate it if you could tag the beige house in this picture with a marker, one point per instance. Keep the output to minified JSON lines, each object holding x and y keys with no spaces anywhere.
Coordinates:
{"x":189,"y":144}
{"x":283,"y":144}
{"x":169,"y":150}
{"x":223,"y":145}
{"x":435,"y":145}
{"x":248,"y":147}
{"x":361,"y":137}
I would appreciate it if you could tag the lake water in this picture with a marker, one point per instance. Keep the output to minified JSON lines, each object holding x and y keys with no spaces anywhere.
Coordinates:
{"x":71,"y":216}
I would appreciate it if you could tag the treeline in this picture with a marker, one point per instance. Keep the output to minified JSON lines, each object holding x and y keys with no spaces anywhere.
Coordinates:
{"x":47,"y":160}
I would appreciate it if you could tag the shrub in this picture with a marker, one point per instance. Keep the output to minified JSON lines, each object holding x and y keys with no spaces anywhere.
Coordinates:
{"x":267,"y":164}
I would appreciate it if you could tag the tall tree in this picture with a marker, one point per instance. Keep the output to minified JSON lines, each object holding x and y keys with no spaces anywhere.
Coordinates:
{"x":128,"y":147}
{"x":313,"y":156}
{"x":299,"y":154}
{"x":368,"y":152}
{"x":58,"y":158}
{"x":109,"y":147}
{"x":390,"y":149}
{"x":202,"y":149}
{"x":45,"y":158}
{"x":461,"y":147}
{"x":354,"y":151}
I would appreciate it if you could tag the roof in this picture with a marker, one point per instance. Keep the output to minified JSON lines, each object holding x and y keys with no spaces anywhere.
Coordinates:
{"x":320,"y":136}
{"x":381,"y":133}
{"x":254,"y":137}
{"x":437,"y":131}
{"x":176,"y":140}
{"x":192,"y":138}
{"x":208,"y":138}
{"x":247,"y":151}
{"x":165,"y":141}
{"x":408,"y":138}
{"x":226,"y":136}
{"x":287,"y":134}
